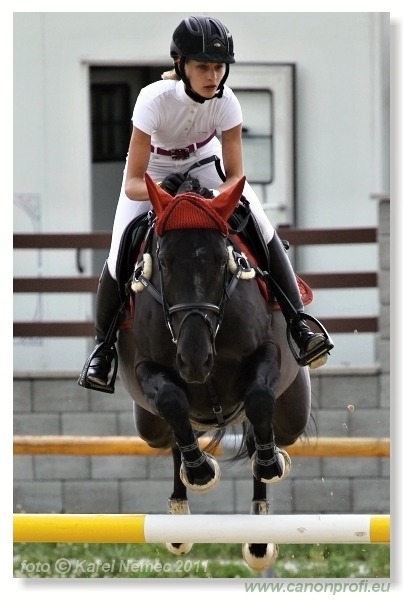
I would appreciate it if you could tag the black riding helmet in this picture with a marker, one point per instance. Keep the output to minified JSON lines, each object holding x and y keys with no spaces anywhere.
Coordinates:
{"x":203,"y":39}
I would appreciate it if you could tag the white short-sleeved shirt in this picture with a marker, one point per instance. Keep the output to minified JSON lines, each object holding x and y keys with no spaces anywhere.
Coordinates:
{"x":173,"y":120}
{"x":164,"y":111}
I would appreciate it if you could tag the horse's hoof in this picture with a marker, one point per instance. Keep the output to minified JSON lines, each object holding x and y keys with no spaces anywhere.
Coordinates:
{"x":178,"y":507}
{"x":205,"y":487}
{"x":179,"y":549}
{"x":285,"y":465}
{"x":260,"y":563}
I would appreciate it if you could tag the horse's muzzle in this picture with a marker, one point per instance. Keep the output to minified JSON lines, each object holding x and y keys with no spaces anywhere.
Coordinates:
{"x":195,"y":370}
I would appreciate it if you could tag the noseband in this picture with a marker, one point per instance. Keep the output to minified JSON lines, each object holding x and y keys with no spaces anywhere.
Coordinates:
{"x":191,"y":310}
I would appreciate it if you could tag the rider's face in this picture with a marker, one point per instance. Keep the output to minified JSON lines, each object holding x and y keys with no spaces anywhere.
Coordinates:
{"x":204,"y":77}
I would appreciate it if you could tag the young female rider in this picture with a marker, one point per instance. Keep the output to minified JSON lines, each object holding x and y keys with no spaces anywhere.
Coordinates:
{"x":175,"y":121}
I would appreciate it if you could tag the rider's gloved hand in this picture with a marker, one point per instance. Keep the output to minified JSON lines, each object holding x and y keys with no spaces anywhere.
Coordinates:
{"x":172,"y":182}
{"x":192,"y":184}
{"x":205,"y":192}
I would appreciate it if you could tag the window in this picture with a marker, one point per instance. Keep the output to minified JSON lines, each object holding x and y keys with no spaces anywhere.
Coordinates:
{"x":257,"y":134}
{"x":110,"y":121}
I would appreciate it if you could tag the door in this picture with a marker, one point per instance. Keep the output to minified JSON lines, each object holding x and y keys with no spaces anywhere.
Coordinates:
{"x":267,"y":96}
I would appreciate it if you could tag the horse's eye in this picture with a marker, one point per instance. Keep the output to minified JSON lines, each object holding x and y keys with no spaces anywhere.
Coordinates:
{"x":163,"y":264}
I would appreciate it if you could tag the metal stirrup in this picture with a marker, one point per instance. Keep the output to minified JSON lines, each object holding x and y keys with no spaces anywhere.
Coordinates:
{"x":320,"y":350}
{"x":83,"y":380}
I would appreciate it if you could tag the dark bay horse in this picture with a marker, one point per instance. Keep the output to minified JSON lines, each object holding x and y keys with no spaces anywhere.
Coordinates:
{"x":207,"y":351}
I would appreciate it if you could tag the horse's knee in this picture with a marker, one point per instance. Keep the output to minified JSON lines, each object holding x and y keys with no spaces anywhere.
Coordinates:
{"x":259,"y":404}
{"x":171,"y":402}
{"x":152,"y":429}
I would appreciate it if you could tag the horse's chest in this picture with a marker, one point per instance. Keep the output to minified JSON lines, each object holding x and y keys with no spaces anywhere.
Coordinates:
{"x":219,"y":396}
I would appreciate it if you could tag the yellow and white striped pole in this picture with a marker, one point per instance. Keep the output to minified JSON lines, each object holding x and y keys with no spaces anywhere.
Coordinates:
{"x":143,"y":528}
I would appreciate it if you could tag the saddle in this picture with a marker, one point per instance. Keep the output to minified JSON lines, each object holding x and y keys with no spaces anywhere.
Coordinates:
{"x":245,"y":233}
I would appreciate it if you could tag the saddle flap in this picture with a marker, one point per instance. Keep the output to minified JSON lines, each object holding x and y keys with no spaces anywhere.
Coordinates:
{"x":131,"y":245}
{"x":129,"y":249}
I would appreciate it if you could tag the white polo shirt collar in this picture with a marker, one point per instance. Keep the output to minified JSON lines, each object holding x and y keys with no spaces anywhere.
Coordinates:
{"x":182,"y":95}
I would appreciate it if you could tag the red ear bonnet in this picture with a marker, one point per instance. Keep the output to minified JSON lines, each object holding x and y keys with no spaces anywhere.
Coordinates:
{"x":191,"y":211}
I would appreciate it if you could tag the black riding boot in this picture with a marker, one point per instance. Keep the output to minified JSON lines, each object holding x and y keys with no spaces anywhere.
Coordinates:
{"x":97,"y":369}
{"x":313,"y":347}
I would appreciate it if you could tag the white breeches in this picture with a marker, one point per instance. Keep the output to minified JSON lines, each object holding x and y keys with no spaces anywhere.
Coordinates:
{"x":161,"y":166}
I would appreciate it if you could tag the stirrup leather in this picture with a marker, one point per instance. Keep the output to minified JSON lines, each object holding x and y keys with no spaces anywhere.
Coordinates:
{"x":109,"y":388}
{"x":311,"y":355}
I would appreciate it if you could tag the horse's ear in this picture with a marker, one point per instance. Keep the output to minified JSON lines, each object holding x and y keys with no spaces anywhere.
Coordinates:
{"x":159,"y":198}
{"x":225,"y":203}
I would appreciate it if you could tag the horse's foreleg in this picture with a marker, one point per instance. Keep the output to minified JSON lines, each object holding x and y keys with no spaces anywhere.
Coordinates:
{"x":258,"y":556}
{"x":178,"y":503}
{"x":270,"y":464}
{"x":259,"y":488}
{"x":179,"y":492}
{"x":198,"y":470}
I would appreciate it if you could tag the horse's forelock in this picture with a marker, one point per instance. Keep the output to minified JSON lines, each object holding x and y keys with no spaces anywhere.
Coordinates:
{"x":190,"y":211}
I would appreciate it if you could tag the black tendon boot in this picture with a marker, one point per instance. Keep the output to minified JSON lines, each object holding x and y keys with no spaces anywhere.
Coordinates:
{"x":313,"y":347}
{"x":97,"y":369}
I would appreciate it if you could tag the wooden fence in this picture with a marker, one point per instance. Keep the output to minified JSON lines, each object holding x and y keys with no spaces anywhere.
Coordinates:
{"x":101,"y":240}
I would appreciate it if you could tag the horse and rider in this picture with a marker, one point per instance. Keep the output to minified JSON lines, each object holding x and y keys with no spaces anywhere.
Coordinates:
{"x":217,"y":334}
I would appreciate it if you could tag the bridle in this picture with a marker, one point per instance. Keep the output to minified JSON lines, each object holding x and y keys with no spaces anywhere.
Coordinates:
{"x":203,"y":309}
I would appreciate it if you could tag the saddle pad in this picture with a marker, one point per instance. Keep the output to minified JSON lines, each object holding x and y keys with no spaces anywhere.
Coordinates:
{"x":304,"y":289}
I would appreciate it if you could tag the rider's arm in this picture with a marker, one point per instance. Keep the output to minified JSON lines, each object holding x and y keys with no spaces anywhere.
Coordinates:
{"x":232,"y":156}
{"x":137,"y":163}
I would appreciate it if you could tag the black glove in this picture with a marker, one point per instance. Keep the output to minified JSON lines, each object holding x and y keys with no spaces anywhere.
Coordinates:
{"x":172,"y":182}
{"x":192,"y":184}
{"x":205,"y":192}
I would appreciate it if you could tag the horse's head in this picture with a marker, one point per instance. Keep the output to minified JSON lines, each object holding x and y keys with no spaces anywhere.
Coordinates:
{"x":193,"y":258}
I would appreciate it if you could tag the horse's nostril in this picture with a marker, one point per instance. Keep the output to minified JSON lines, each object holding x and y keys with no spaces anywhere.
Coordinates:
{"x":209,"y":361}
{"x":196,"y":370}
{"x":180,"y":361}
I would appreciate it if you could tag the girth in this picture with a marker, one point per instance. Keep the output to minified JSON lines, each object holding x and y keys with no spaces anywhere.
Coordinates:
{"x":236,"y":417}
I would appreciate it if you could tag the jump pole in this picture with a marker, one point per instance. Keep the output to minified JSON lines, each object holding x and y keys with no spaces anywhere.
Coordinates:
{"x":132,"y":445}
{"x":221,"y":529}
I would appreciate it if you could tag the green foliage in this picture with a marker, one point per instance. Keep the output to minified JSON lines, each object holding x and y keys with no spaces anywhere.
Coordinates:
{"x":203,"y":561}
{"x":334,"y":561}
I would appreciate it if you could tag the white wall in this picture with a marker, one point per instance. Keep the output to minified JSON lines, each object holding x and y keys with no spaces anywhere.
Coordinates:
{"x":342,"y":137}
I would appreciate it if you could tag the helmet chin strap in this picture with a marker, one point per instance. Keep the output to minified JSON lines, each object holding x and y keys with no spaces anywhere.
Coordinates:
{"x":180,"y":71}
